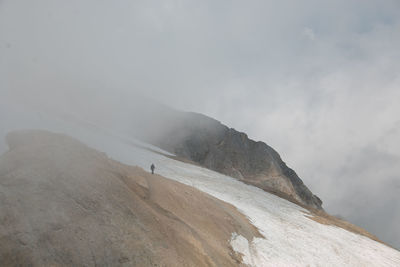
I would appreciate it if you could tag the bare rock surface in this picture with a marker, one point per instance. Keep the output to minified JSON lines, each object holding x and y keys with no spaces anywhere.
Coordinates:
{"x":213,"y":145}
{"x":62,"y":203}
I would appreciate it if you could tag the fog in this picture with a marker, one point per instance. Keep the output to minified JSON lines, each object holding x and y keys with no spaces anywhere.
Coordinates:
{"x":318,"y":81}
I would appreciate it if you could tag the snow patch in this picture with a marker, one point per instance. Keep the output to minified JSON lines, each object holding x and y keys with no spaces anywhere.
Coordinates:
{"x":241,"y":245}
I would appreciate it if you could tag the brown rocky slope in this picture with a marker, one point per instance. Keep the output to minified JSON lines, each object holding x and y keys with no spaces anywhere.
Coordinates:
{"x":62,"y":203}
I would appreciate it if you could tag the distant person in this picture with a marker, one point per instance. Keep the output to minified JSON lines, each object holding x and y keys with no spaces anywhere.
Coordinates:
{"x":152,"y":167}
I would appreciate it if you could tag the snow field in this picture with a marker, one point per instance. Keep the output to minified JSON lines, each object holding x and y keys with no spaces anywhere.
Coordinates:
{"x":291,"y":239}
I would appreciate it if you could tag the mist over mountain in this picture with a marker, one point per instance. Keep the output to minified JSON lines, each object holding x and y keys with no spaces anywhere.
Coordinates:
{"x":143,"y":117}
{"x":316,"y":81}
{"x":78,"y":190}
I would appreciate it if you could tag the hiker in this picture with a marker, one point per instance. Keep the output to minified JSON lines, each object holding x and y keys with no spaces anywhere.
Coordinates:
{"x":152,"y":167}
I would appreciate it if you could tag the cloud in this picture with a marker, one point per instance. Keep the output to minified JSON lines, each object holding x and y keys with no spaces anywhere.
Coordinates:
{"x":369,"y":182}
{"x":309,"y":33}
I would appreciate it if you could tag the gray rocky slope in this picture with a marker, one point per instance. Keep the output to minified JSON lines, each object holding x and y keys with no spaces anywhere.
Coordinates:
{"x":211,"y":144}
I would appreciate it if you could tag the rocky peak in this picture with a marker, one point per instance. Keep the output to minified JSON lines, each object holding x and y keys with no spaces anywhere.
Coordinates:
{"x":215,"y":146}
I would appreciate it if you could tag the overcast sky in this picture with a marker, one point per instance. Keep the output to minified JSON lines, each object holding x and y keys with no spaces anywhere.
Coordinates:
{"x":317,"y":80}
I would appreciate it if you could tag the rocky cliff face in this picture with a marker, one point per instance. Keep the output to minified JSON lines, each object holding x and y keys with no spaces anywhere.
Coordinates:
{"x":213,"y":145}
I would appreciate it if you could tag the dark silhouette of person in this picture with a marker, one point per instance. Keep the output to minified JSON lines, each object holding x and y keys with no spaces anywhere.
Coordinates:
{"x":152,"y":167}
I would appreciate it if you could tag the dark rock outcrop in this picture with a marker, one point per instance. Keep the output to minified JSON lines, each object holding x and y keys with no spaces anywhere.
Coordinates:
{"x":213,"y":145}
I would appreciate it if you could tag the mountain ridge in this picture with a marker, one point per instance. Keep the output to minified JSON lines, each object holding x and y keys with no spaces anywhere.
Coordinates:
{"x":290,"y":235}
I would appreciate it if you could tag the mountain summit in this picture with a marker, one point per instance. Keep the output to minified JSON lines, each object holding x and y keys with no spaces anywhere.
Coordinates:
{"x":211,"y":144}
